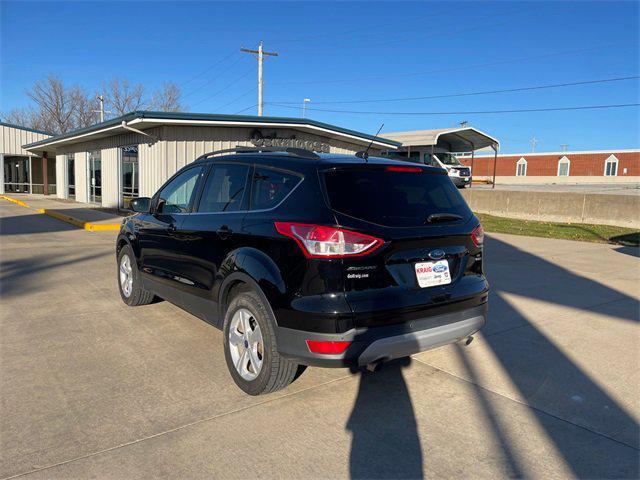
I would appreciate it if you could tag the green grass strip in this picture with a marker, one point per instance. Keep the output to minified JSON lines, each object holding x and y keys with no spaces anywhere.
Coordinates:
{"x":570,"y":231}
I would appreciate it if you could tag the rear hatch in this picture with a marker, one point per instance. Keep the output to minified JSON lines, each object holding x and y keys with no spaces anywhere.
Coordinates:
{"x":429,"y":262}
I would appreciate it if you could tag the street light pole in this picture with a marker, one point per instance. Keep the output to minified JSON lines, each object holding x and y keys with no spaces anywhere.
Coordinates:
{"x":304,"y":106}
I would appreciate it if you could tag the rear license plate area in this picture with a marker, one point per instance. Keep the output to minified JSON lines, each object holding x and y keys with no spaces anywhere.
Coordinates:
{"x":431,"y":274}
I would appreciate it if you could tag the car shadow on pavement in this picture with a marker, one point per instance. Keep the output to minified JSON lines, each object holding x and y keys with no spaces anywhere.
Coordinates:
{"x":384,"y":433}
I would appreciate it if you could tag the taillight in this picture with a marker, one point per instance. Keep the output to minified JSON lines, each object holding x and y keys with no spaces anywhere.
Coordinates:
{"x":478,"y":236}
{"x":327,"y":347}
{"x":319,"y":241}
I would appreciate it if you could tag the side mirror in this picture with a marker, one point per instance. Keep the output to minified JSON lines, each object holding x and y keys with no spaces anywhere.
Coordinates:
{"x":141,"y":204}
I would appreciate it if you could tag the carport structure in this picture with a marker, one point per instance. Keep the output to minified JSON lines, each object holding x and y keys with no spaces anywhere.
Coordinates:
{"x":418,"y":143}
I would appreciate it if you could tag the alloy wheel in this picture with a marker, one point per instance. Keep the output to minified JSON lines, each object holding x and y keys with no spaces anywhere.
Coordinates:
{"x":245,"y":344}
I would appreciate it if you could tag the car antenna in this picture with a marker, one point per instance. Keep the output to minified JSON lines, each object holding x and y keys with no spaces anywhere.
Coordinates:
{"x":365,"y":153}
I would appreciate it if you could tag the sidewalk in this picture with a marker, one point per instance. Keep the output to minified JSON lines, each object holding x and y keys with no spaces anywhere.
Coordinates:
{"x":82,"y":215}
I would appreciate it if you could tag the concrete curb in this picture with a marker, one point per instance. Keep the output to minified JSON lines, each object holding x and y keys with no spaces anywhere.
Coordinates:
{"x":90,"y":226}
{"x":13,"y":200}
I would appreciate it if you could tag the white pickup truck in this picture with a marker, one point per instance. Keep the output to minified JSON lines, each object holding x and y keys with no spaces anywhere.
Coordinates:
{"x":459,"y":174}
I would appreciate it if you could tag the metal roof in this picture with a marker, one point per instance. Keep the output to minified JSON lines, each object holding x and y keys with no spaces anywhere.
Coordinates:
{"x":146,"y":119}
{"x":20,"y":127}
{"x":463,"y":139}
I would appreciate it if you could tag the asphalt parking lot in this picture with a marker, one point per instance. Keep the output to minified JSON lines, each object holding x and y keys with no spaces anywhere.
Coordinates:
{"x":91,"y":388}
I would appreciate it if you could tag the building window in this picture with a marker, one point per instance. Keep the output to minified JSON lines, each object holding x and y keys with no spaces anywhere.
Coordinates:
{"x":563,"y":167}
{"x":521,"y":168}
{"x":611,"y":166}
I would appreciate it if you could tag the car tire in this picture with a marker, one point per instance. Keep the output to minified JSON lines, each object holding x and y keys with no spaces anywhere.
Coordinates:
{"x":248,"y":312}
{"x":129,"y":282}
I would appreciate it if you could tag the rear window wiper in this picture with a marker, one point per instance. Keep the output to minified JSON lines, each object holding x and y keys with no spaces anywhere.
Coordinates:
{"x":442,"y":217}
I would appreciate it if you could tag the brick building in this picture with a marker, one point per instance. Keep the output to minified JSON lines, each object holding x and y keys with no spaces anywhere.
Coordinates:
{"x":603,"y":166}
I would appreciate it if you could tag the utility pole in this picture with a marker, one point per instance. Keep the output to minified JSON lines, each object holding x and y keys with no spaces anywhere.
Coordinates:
{"x":101,"y":111}
{"x":534,"y":142}
{"x":304,"y":105}
{"x":261,"y":54}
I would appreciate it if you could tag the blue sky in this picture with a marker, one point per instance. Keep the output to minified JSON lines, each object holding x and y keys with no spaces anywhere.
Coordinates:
{"x":351,"y":51}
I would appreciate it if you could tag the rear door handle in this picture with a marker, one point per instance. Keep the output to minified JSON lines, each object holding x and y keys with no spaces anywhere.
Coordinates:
{"x":224,"y":232}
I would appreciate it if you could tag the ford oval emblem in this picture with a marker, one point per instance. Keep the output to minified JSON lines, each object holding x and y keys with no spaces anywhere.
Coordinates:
{"x":436,"y":254}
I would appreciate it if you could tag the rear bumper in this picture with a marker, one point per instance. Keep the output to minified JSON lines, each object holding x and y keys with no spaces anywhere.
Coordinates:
{"x":383,"y":343}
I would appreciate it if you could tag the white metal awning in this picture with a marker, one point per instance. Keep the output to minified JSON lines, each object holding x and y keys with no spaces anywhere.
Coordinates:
{"x":463,"y":139}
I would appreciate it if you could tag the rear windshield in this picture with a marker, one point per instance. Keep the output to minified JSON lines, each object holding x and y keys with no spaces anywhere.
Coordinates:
{"x":393,"y":199}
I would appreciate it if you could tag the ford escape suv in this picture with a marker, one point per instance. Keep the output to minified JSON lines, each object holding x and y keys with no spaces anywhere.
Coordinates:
{"x":305,"y":259}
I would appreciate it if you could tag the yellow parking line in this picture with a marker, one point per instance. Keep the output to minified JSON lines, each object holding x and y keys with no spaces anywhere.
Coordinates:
{"x":90,"y":226}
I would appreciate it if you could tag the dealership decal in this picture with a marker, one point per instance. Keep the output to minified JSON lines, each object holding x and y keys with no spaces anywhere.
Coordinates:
{"x":259,"y":140}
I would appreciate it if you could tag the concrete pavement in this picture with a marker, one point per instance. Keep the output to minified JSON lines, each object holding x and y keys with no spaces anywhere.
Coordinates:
{"x":90,"y":388}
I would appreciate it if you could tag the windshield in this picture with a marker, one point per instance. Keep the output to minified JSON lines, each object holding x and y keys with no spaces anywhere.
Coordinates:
{"x":448,"y":159}
{"x":393,"y":198}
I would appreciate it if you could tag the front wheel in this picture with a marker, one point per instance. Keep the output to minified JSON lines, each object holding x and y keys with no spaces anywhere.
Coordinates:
{"x":250,"y":346}
{"x":129,"y":282}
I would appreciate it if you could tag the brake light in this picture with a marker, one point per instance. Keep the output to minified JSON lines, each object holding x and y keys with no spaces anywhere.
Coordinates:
{"x":327,"y":347}
{"x":404,"y":169}
{"x":478,"y":236}
{"x":319,"y":241}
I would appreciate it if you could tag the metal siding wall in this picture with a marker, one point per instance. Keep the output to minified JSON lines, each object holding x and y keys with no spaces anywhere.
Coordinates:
{"x":110,"y":177}
{"x":150,"y":165}
{"x":183,"y":144}
{"x":82,"y":195}
{"x":12,"y":139}
{"x":61,"y":176}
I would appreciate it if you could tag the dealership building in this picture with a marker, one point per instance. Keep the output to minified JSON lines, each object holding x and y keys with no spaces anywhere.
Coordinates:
{"x":23,"y":171}
{"x":133,"y":155}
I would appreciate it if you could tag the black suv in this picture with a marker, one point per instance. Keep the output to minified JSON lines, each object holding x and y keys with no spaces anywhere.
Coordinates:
{"x":305,"y":259}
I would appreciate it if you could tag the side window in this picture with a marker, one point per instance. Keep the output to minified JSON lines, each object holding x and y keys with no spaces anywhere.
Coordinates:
{"x":224,"y":189}
{"x":176,"y":196}
{"x":270,"y":187}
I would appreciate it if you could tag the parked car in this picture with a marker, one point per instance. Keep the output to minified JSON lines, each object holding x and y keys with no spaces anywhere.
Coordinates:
{"x":305,"y":259}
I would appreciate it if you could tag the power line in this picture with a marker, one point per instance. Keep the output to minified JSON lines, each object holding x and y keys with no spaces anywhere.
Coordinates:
{"x":402,"y":35}
{"x":245,"y":109}
{"x":208,"y":69}
{"x":468,"y":94}
{"x":369,"y":29}
{"x":477,"y":112}
{"x":251,"y":90}
{"x":214,"y":78}
{"x":446,"y":70}
{"x":223,"y":89}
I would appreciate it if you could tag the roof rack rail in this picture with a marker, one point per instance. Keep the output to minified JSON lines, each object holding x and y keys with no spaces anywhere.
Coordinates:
{"x":297,"y":152}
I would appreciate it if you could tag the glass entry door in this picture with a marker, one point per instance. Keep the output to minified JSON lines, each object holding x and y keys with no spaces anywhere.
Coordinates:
{"x":95,"y":177}
{"x":130,"y":175}
{"x":71,"y":177}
